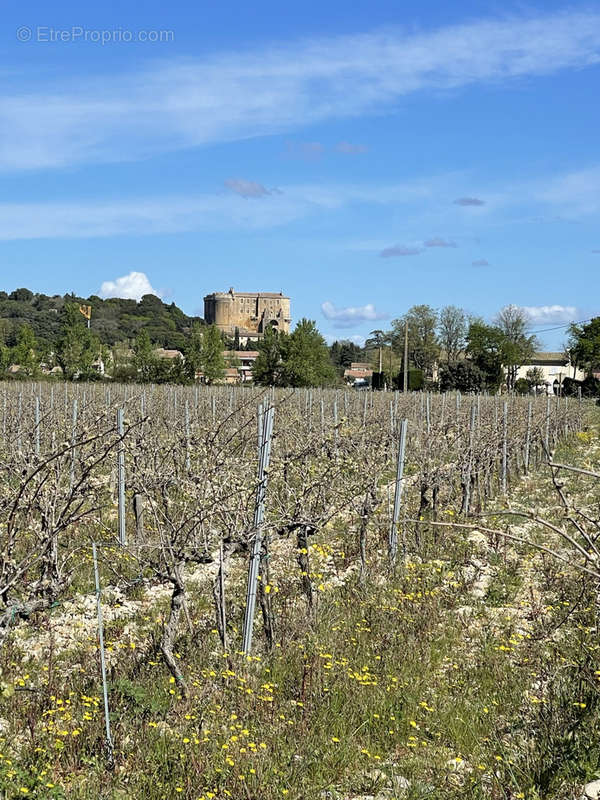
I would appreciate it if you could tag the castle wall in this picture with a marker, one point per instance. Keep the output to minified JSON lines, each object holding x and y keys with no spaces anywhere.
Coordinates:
{"x":250,"y":312}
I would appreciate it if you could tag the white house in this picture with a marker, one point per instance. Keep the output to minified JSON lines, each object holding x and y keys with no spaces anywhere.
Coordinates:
{"x":555,"y":367}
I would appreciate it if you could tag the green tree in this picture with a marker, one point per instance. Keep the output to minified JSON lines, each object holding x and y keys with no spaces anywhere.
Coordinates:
{"x":377,"y":340}
{"x":268,"y":367}
{"x":213,"y":360}
{"x":91,"y":352}
{"x":584,"y":345}
{"x":484,"y":348}
{"x":518,"y":347}
{"x":24,"y":354}
{"x":343,"y":352}
{"x":463,"y":376}
{"x":193,"y":352}
{"x":77,"y":348}
{"x":423,"y":345}
{"x":145,"y":360}
{"x":535,"y":377}
{"x":4,"y":357}
{"x":522,"y":386}
{"x":306,"y":361}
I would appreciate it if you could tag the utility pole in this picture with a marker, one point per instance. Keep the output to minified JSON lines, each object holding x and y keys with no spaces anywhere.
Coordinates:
{"x":405,"y":381}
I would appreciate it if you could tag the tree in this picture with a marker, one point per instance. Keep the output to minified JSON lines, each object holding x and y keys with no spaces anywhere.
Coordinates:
{"x":452,"y":330}
{"x":484,"y":348}
{"x":584,"y":345}
{"x":213,"y":360}
{"x":462,"y":376}
{"x":306,"y":360}
{"x":343,"y":352}
{"x":77,"y":348}
{"x":4,"y":357}
{"x":24,"y":354}
{"x":377,"y":339}
{"x":268,"y":367}
{"x":535,"y":377}
{"x":145,"y":360}
{"x":193,"y":352}
{"x":522,"y":386}
{"x":517,"y":346}
{"x":21,"y":295}
{"x":423,"y":345}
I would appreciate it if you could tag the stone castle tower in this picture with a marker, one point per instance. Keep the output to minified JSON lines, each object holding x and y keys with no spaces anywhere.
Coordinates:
{"x":249,"y":312}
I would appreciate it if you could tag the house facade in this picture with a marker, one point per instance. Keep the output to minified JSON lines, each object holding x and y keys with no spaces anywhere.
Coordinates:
{"x":554,"y":367}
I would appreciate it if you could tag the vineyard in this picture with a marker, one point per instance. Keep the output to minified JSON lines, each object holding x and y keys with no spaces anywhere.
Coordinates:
{"x":235,"y":593}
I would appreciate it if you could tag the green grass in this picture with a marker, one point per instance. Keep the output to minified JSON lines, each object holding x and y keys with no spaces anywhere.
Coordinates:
{"x":392,"y":678}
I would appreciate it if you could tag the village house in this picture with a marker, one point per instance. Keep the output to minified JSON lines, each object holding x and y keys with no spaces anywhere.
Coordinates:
{"x":162,"y":352}
{"x":243,"y":362}
{"x":359,"y":373}
{"x":554,"y":367}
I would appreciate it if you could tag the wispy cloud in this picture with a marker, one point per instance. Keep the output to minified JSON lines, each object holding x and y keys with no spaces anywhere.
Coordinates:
{"x":235,"y":95}
{"x":480,"y":262}
{"x":399,"y":250}
{"x":351,"y":149}
{"x":439,"y":242}
{"x":356,"y":339}
{"x":275,"y":207}
{"x":546,"y":315}
{"x":351,"y":315}
{"x":131,"y":287}
{"x":469,"y":201}
{"x":309,"y":151}
{"x":247,"y":188}
{"x":575,"y":193}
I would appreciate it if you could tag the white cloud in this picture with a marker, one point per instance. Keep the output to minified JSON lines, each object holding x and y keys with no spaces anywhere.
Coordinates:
{"x":574,"y":194}
{"x":349,"y":149}
{"x":400,"y":250}
{"x":546,"y":315}
{"x":437,"y":241}
{"x":236,"y":95}
{"x":351,"y":315}
{"x":130,"y":287}
{"x":247,"y":188}
{"x":356,"y":339}
{"x":424,"y":203}
{"x":469,"y":201}
{"x":480,"y":262}
{"x":179,"y":213}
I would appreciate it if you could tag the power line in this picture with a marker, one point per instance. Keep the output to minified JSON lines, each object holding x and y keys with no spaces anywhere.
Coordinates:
{"x":559,"y":327}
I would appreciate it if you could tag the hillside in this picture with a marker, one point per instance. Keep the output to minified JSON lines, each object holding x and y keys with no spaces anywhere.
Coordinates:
{"x":113,"y":320}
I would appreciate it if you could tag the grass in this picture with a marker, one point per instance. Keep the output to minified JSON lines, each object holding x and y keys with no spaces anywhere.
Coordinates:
{"x":407,"y":685}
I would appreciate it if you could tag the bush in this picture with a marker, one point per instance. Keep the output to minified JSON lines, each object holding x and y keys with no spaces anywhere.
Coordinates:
{"x":570,"y":387}
{"x":416,"y":380}
{"x":462,"y":376}
{"x":590,"y":387}
{"x":522,"y":386}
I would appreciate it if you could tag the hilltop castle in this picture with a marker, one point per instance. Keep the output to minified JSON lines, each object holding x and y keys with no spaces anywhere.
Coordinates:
{"x":248,"y":312}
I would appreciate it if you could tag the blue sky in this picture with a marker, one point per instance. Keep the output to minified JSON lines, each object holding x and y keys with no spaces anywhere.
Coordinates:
{"x":362,"y":158}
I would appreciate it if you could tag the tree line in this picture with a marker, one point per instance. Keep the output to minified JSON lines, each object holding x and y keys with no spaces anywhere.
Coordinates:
{"x":469,"y":353}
